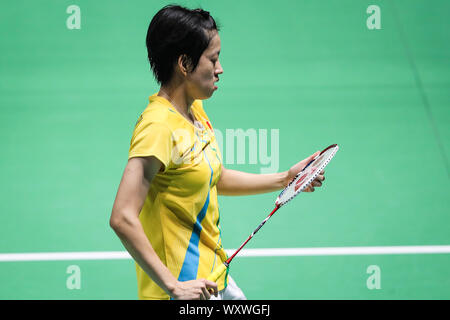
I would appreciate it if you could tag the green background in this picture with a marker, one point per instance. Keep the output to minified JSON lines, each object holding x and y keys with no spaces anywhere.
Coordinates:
{"x":311,"y":69}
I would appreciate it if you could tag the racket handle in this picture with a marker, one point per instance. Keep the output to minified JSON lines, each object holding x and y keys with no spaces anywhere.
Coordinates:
{"x":217,"y":273}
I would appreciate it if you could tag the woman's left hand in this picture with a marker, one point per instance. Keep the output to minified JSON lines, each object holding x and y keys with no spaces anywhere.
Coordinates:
{"x":295,"y":169}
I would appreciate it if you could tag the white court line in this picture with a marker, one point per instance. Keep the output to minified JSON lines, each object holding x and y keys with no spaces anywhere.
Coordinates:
{"x":265,"y":252}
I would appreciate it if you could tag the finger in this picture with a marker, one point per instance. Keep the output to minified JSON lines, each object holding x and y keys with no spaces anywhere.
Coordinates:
{"x":320,"y":177}
{"x":212,"y":287}
{"x":317,"y":183}
{"x":315,"y":154}
{"x":214,"y":292}
{"x":201,"y":294}
{"x":305,"y":162}
{"x":206,"y":294}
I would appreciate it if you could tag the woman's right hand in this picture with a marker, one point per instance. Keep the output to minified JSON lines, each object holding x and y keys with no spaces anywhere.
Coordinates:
{"x":200,"y":289}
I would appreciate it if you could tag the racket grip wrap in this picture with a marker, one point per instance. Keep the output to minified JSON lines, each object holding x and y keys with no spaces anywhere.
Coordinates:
{"x":217,"y":273}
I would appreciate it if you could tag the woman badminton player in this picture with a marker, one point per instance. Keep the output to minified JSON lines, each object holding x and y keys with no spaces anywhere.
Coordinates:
{"x":166,"y":211}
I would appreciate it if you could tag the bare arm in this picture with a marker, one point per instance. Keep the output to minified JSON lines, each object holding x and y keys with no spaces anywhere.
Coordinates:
{"x":124,"y":220}
{"x":233,"y":183}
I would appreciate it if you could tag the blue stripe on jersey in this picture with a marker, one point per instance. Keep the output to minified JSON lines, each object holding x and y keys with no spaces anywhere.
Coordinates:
{"x":191,"y":259}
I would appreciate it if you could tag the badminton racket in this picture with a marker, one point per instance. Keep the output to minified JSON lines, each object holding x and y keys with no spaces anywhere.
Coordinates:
{"x":294,"y":188}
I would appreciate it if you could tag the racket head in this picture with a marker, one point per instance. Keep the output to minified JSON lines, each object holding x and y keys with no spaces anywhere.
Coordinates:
{"x":307,"y":175}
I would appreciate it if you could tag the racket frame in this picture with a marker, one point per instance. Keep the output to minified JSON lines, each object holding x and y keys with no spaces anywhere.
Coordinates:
{"x":215,"y":275}
{"x":294,"y":180}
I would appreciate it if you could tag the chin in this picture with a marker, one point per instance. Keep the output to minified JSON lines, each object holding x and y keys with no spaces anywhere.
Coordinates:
{"x":206,"y":95}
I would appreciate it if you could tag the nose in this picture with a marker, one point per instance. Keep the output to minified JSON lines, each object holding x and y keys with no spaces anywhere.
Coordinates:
{"x":219,"y":69}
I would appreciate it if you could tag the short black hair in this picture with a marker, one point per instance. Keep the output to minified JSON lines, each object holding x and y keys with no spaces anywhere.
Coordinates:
{"x":174,"y":31}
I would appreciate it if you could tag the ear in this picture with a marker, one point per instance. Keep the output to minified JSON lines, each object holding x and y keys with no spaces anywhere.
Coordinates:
{"x":184,"y":64}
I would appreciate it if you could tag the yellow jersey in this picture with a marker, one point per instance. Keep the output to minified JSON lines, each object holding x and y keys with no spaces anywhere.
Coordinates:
{"x":180,"y":215}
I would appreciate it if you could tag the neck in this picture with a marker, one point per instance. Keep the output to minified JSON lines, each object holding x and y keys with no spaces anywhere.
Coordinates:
{"x":178,"y":97}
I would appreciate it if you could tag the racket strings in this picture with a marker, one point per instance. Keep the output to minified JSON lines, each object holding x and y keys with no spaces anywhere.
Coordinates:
{"x":289,"y":192}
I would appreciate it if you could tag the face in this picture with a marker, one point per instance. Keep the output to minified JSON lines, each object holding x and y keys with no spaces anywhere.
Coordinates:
{"x":201,"y":83}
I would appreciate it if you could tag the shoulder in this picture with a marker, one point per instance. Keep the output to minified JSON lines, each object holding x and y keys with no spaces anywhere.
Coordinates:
{"x":155,"y":112}
{"x":159,"y":113}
